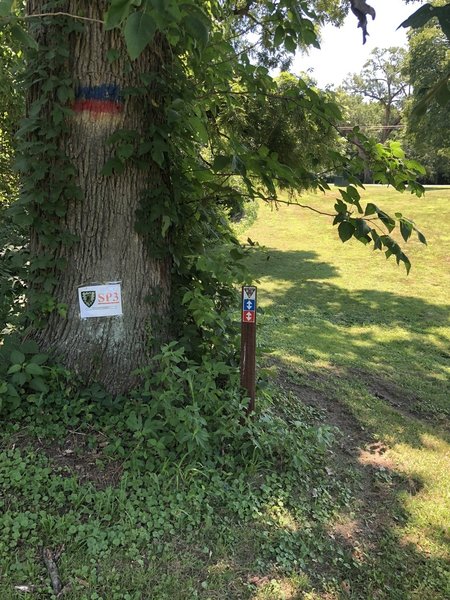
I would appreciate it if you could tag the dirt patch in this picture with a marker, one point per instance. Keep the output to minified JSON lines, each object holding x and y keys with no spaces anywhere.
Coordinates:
{"x":80,"y":455}
{"x":388,"y":391}
{"x":75,"y":456}
{"x":377,"y":483}
{"x":353,"y":434}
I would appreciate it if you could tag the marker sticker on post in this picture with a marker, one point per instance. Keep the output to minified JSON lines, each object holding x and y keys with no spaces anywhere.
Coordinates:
{"x":249,"y":304}
{"x":100,"y":300}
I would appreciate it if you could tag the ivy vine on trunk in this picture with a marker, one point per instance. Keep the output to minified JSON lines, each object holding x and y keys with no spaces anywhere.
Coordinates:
{"x":96,"y":79}
{"x":133,"y":156}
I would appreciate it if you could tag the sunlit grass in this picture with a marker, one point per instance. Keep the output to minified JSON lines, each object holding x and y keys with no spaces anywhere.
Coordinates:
{"x":380,"y":339}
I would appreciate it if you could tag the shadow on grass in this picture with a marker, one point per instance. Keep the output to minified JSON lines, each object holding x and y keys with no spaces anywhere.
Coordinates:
{"x":366,"y":554}
{"x":390,"y":343}
{"x":369,"y":551}
{"x":387,"y":369}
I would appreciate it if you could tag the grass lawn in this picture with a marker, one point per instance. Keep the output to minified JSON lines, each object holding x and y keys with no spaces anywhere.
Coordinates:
{"x":359,"y":355}
{"x":374,"y":345}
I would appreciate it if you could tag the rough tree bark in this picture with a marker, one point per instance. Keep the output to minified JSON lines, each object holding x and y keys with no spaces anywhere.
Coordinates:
{"x":108,"y":248}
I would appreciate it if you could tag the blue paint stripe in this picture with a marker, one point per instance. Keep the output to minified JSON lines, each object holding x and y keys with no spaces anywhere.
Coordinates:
{"x":109,"y":91}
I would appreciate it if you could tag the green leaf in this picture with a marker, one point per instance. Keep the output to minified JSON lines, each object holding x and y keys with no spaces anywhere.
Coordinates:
{"x":416,"y":166}
{"x":386,"y":220}
{"x":197,"y":29}
{"x":346,"y":230}
{"x":12,"y":391}
{"x":64,"y":94}
{"x":14,"y":369}
{"x":221,"y":162}
{"x":199,"y":128}
{"x":125,"y":151}
{"x":38,"y":384}
{"x":39,"y":359}
{"x":371,"y":209}
{"x":6,"y":7}
{"x":405,"y":230}
{"x":396,"y":149}
{"x":113,"y":165}
{"x":402,"y":257}
{"x":23,"y":37}
{"x":279,"y":36}
{"x":353,"y":194}
{"x":134,"y":422}
{"x":17,"y":357}
{"x":34,"y":369}
{"x":19,"y":378}
{"x":377,"y":244}
{"x":290,"y":44}
{"x":30,"y":347}
{"x":117,"y":12}
{"x":340,"y":206}
{"x":421,"y":237}
{"x":419,"y":18}
{"x":362,"y":229}
{"x":139,"y":31}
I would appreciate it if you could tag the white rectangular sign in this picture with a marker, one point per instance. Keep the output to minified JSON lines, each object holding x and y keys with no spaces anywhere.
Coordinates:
{"x":100,"y":300}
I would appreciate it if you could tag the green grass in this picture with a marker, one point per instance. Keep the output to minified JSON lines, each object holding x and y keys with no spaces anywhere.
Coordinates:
{"x":343,"y":305}
{"x":316,"y":513}
{"x":377,"y":342}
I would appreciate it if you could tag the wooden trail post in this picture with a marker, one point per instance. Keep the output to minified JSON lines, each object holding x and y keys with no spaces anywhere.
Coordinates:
{"x":248,"y":344}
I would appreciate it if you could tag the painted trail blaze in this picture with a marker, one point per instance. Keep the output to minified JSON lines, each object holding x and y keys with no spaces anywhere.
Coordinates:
{"x":99,"y":100}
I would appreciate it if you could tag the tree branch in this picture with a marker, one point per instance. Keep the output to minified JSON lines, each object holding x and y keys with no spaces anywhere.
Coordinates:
{"x":319,"y":212}
{"x":63,"y":14}
{"x":289,"y":203}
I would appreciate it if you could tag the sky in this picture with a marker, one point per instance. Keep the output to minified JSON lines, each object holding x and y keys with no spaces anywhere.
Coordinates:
{"x":342,"y":51}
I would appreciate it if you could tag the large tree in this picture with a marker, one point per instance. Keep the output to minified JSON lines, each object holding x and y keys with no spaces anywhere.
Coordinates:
{"x":100,"y":209}
{"x":130,"y":161}
{"x":427,"y":138}
{"x":384,"y":80}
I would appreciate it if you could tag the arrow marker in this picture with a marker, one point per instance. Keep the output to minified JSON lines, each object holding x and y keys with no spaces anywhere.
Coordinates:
{"x":249,"y":316}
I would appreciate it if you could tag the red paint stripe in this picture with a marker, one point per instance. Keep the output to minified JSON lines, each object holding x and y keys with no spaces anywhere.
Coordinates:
{"x":98,"y":106}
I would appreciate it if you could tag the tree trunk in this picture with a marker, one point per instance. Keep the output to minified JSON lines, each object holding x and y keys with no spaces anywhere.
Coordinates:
{"x":108,"y":248}
{"x":387,"y":121}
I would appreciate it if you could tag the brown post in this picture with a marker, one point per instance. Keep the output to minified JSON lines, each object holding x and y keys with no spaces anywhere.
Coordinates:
{"x":248,"y":344}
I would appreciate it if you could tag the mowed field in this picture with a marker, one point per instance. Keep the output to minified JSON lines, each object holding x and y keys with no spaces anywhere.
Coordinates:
{"x":350,"y":332}
{"x":337,"y":489}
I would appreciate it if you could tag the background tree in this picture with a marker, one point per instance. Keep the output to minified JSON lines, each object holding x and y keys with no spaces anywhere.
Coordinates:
{"x":11,"y":110}
{"x":383,"y":79}
{"x":356,"y":112}
{"x":284,"y":124}
{"x":427,"y":139}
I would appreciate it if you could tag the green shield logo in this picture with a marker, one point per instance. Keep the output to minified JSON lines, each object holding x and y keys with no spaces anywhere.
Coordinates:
{"x":88,"y":298}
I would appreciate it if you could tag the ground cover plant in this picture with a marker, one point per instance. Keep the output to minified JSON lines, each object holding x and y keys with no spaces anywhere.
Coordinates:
{"x":338,"y":489}
{"x":129,"y":468}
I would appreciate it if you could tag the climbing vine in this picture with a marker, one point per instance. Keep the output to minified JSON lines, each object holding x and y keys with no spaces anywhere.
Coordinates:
{"x":47,"y":175}
{"x":209,"y":170}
